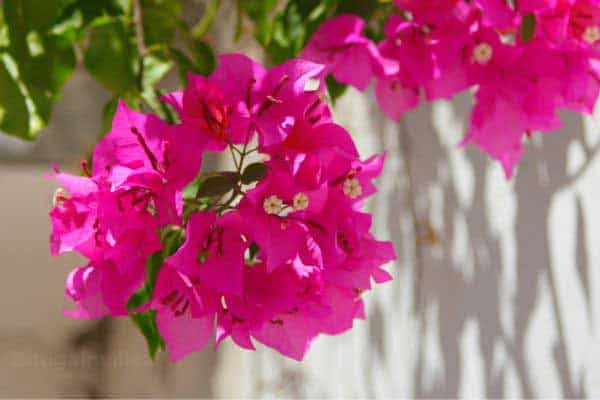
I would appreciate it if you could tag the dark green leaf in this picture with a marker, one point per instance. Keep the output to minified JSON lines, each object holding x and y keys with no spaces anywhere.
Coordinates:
{"x":204,"y":57}
{"x":111,"y":56}
{"x":215,"y":185}
{"x":252,"y":253}
{"x":172,"y":238}
{"x":189,"y":192}
{"x":528,"y":25}
{"x":33,"y":14}
{"x":285,"y":34}
{"x":334,"y":88}
{"x":14,"y":115}
{"x":254,"y":173}
{"x":86,"y":11}
{"x":365,"y":9}
{"x":37,"y":58}
{"x":144,"y":295}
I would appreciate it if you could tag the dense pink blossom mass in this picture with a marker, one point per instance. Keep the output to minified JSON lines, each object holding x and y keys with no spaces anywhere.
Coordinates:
{"x":279,"y":255}
{"x":527,"y":60}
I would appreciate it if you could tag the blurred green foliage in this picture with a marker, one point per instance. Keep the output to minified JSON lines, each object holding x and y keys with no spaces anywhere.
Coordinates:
{"x":42,"y":41}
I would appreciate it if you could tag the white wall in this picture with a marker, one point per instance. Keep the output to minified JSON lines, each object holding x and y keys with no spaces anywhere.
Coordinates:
{"x":509,"y":283}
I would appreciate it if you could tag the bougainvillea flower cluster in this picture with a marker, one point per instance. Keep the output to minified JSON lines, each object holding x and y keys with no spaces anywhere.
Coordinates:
{"x":526,"y":59}
{"x":277,"y":251}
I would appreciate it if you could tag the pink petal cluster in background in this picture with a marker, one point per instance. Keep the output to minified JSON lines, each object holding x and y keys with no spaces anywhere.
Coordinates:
{"x":287,"y":261}
{"x":527,"y":60}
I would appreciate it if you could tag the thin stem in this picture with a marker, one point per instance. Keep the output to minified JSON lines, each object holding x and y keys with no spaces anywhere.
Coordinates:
{"x":245,"y":149}
{"x":139,"y":36}
{"x":235,"y":161}
{"x":239,"y":165}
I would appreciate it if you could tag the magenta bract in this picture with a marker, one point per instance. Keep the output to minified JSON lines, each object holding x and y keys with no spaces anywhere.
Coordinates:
{"x":279,"y":257}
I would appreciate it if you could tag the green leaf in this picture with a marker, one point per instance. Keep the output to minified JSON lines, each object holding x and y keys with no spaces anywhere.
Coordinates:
{"x":252,"y":253}
{"x":528,"y":25}
{"x":144,"y":295}
{"x":37,"y":58}
{"x":204,"y":57}
{"x":160,"y":19}
{"x":146,"y":322}
{"x":33,"y":14}
{"x":111,"y":56}
{"x":334,"y":88}
{"x":88,"y":11}
{"x":14,"y":115}
{"x":285,"y":34}
{"x":254,"y":172}
{"x":172,"y":238}
{"x":189,"y":192}
{"x":215,"y":185}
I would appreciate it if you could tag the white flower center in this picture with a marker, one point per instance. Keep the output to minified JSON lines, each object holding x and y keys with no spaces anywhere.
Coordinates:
{"x":272,"y":205}
{"x":591,"y":34}
{"x":300,"y":202}
{"x":352,"y":188}
{"x":482,"y":53}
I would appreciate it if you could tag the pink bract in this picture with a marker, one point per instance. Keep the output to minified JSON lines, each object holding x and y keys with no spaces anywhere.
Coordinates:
{"x":526,"y":60}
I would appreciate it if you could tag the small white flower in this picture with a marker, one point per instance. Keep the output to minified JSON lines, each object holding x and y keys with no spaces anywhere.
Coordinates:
{"x":352,"y":188}
{"x":272,"y":205}
{"x":482,"y":53}
{"x":312,"y":85}
{"x":300,"y":202}
{"x":591,"y":34}
{"x":59,"y":196}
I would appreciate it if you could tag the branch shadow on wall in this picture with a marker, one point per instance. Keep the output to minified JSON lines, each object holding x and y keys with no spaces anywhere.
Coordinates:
{"x":461,"y":296}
